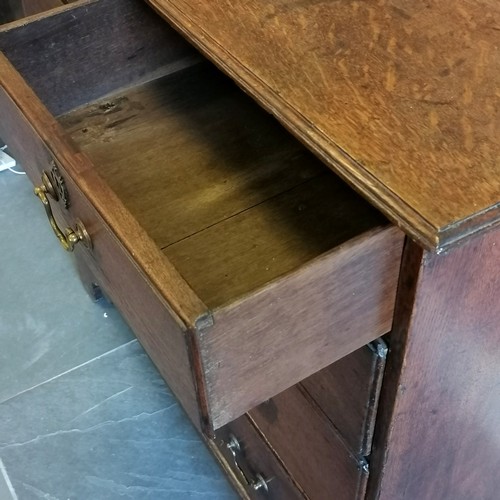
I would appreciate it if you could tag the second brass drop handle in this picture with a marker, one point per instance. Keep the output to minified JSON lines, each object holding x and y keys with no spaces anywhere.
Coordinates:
{"x":70,"y":237}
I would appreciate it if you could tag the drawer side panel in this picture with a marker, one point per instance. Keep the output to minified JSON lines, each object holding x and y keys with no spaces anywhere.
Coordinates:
{"x":134,"y":273}
{"x":36,"y":139}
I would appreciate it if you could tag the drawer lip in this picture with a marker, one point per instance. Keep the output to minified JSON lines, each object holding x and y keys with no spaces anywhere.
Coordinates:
{"x":203,"y":326}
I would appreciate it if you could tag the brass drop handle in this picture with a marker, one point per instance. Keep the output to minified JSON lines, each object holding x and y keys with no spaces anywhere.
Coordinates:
{"x":70,"y":237}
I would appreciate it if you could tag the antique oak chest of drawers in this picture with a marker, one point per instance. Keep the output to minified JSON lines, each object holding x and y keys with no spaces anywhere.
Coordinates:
{"x":259,"y":281}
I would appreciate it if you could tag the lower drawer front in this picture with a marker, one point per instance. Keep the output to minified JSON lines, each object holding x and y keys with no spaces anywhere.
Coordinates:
{"x":310,"y":448}
{"x":348,"y":393}
{"x":252,"y":466}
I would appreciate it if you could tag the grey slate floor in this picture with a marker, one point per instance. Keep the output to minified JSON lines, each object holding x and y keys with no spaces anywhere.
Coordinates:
{"x":83,"y":412}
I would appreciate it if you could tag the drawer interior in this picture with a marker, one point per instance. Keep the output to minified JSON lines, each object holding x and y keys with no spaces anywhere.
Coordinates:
{"x":229,"y":196}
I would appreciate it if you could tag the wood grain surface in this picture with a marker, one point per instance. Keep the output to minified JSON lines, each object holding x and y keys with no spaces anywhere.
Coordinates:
{"x":188,"y":150}
{"x":231,"y":260}
{"x":438,"y":433}
{"x":253,"y":190}
{"x":399,"y":98}
{"x":236,"y":204}
{"x":310,"y":448}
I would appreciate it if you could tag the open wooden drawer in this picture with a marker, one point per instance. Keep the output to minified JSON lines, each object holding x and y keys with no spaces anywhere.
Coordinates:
{"x":241,"y":263}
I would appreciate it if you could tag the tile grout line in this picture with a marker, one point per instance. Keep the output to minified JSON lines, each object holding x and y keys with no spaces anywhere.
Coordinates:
{"x":69,"y":371}
{"x":7,"y":480}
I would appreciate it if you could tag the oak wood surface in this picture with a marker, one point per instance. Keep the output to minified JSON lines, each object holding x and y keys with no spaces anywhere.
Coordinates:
{"x":187,"y":151}
{"x":348,"y":391}
{"x":438,"y":432}
{"x":310,"y":448}
{"x":307,"y":319}
{"x":400,"y":99}
{"x":35,"y":137}
{"x":236,"y":257}
{"x":82,"y":52}
{"x":236,"y":204}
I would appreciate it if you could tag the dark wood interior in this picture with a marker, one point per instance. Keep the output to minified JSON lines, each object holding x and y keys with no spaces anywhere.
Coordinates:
{"x":232,"y":199}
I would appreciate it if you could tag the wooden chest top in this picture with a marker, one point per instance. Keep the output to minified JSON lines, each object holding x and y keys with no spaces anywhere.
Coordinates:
{"x":400,"y":98}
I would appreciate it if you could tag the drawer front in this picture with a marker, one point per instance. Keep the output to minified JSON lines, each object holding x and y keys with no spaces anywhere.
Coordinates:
{"x":251,"y":465}
{"x":348,"y":392}
{"x":301,"y":323}
{"x":310,"y":448}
